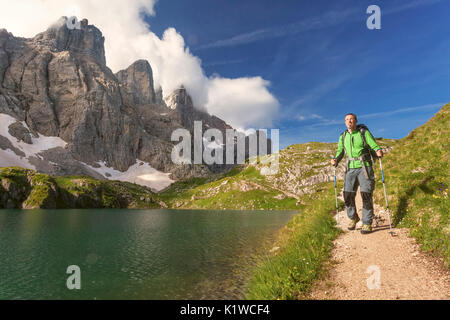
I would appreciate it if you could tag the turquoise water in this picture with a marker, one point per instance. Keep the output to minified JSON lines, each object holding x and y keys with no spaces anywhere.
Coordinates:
{"x":132,"y":254}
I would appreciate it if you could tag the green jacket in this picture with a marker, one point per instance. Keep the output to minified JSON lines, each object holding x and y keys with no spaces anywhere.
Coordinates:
{"x":354,"y":146}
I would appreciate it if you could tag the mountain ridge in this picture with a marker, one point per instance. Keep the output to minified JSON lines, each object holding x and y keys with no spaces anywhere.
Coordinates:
{"x":57,"y":84}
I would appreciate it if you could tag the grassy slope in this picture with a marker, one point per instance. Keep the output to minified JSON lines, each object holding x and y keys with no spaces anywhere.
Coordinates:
{"x":305,"y":245}
{"x":37,"y":190}
{"x":246,"y":189}
{"x":417,"y":180}
{"x":241,"y":189}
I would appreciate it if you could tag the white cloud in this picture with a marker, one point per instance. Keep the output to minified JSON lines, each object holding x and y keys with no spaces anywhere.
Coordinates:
{"x":244,"y":102}
{"x":301,"y":117}
{"x":128,"y":38}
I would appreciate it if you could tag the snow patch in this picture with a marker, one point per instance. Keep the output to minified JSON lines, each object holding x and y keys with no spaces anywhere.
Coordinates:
{"x":9,"y":158}
{"x":39,"y":144}
{"x":171,"y":103}
{"x":140,"y":173}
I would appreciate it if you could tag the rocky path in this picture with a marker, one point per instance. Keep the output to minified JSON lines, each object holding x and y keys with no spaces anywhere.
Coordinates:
{"x":381,"y":266}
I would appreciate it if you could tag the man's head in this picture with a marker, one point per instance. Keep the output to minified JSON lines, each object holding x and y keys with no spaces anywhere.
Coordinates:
{"x":351,"y":121}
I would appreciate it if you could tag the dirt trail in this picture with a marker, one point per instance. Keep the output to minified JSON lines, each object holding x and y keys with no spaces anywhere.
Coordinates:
{"x":404,"y":271}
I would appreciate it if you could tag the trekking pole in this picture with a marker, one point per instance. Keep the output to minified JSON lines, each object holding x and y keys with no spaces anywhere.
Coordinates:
{"x":335,"y":189}
{"x":385,"y":197}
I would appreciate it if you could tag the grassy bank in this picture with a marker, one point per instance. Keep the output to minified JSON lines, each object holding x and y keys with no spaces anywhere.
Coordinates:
{"x":417,"y":180}
{"x":304,"y":246}
{"x":243,"y":188}
{"x":28,"y":189}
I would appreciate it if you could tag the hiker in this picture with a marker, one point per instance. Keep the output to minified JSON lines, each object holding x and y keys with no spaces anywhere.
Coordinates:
{"x":358,"y":144}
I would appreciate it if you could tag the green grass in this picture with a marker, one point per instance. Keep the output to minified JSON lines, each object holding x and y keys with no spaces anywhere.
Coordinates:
{"x":14,"y":175}
{"x":253,"y":199}
{"x":305,"y":247}
{"x":37,"y":190}
{"x":42,"y":191}
{"x":242,"y":188}
{"x":417,"y":180}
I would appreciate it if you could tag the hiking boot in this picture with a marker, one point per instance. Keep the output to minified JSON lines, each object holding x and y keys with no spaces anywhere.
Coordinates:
{"x":353,"y":222}
{"x":366,"y":228}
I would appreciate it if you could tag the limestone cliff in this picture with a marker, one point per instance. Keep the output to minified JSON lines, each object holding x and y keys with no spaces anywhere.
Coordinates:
{"x":57,"y":84}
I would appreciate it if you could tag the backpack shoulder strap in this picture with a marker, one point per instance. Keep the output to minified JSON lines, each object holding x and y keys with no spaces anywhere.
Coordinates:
{"x":367,"y":149}
{"x":343,"y":134}
{"x":362,"y":129}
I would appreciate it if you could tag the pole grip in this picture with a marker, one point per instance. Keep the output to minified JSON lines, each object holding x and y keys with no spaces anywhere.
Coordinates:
{"x":381,"y":168}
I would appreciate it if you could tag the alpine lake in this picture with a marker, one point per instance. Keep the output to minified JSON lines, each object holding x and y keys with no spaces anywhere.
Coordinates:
{"x":133,"y":254}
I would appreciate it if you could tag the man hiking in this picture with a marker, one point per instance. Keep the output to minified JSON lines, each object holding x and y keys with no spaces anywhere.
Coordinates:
{"x":358,"y":144}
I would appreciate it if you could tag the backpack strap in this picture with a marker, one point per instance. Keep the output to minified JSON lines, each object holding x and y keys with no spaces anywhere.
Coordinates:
{"x":368,"y":152}
{"x":362,"y":129}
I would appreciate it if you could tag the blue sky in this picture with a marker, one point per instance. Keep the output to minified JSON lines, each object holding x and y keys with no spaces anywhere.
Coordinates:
{"x":322,"y":61}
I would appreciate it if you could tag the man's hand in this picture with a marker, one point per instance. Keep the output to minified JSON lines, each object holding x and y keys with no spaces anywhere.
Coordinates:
{"x":333,"y":162}
{"x":380,"y":153}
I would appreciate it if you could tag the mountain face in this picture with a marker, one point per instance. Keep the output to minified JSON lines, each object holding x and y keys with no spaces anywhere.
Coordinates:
{"x":57,"y":86}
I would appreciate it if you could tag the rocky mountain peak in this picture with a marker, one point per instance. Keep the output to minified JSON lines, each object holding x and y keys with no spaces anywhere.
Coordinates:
{"x":57,"y":85}
{"x":80,"y":38}
{"x":179,"y":98}
{"x":4,"y":34}
{"x":136,"y":83}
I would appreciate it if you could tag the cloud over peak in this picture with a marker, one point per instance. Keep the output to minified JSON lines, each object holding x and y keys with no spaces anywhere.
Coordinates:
{"x":242,"y":102}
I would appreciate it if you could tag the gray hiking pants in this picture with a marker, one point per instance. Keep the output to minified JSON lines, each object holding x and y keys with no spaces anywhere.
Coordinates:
{"x":353,"y":179}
